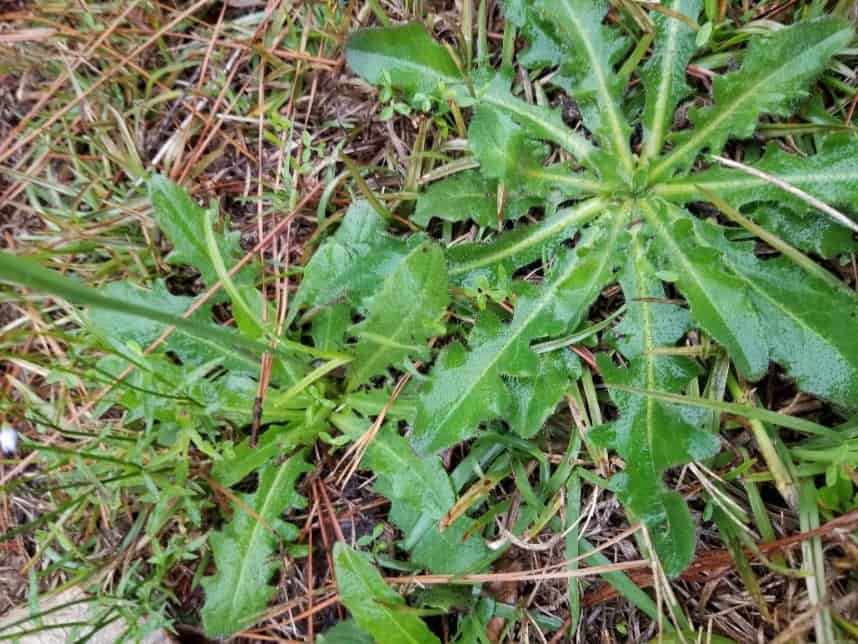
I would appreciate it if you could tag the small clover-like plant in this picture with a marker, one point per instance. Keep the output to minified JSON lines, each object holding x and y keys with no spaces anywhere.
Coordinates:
{"x":620,"y":188}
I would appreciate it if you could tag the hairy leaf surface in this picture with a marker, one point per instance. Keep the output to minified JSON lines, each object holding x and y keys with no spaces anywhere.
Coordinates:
{"x":830,"y":175}
{"x":466,"y":195}
{"x":775,"y":75}
{"x":664,"y":73}
{"x":465,"y":387}
{"x":593,"y":48}
{"x":720,"y":302}
{"x":650,"y":435}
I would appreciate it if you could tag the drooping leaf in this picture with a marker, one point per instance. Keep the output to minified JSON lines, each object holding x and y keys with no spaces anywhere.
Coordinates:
{"x":402,"y":315}
{"x":664,"y":73}
{"x":377,"y":609}
{"x":408,"y":54}
{"x":775,"y":75}
{"x":243,"y":551}
{"x":466,"y":195}
{"x":720,"y":302}
{"x":650,"y":435}
{"x":593,"y":48}
{"x":465,"y":387}
{"x":184,"y":223}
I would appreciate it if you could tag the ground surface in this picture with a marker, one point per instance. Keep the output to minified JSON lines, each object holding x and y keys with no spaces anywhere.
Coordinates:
{"x":252,"y":106}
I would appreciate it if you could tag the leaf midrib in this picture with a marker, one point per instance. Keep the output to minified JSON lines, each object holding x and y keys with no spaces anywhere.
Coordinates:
{"x":687,"y":186}
{"x":777,"y":303}
{"x":565,"y":137}
{"x":576,"y":215}
{"x":658,"y":127}
{"x":394,"y":455}
{"x":679,"y":254}
{"x":405,"y":321}
{"x":606,"y":101}
{"x":677,"y":155}
{"x":649,"y":346}
{"x":402,"y":62}
{"x":258,"y":529}
{"x":548,"y":293}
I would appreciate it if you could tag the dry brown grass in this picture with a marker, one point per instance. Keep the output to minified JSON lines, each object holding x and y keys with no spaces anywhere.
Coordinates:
{"x":92,"y":96}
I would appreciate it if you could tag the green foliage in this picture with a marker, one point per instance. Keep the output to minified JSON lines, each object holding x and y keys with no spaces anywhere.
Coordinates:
{"x":243,"y":550}
{"x":407,"y":54}
{"x":402,"y":315}
{"x":574,"y":180}
{"x":185,"y":222}
{"x":466,"y":195}
{"x":630,"y":224}
{"x":376,"y":608}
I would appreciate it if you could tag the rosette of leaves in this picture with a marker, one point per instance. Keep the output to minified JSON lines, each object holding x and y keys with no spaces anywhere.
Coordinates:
{"x":630,"y":185}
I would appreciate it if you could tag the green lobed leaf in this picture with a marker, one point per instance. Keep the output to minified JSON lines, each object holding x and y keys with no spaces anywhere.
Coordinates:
{"x":353,"y":262}
{"x":537,"y":121}
{"x":464,"y":196}
{"x":544,"y":50}
{"x":402,"y":315}
{"x":419,"y":482}
{"x":811,"y":232}
{"x":720,"y":302}
{"x":533,"y":400}
{"x":830,"y":175}
{"x":663,"y":75}
{"x":592,"y":48}
{"x":184,"y":223}
{"x":329,"y":327}
{"x":465,"y":387}
{"x":775,"y":75}
{"x":652,"y":436}
{"x":506,"y":153}
{"x":377,"y":609}
{"x":809,"y":324}
{"x":243,"y":551}
{"x":408,"y":54}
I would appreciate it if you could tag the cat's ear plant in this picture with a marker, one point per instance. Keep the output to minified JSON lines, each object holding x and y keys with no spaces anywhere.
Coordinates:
{"x":633,"y":190}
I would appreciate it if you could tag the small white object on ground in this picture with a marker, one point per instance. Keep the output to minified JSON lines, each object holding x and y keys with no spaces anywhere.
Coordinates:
{"x":8,"y":440}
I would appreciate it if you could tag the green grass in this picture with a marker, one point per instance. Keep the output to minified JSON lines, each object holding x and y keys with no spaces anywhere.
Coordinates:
{"x":215,"y":478}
